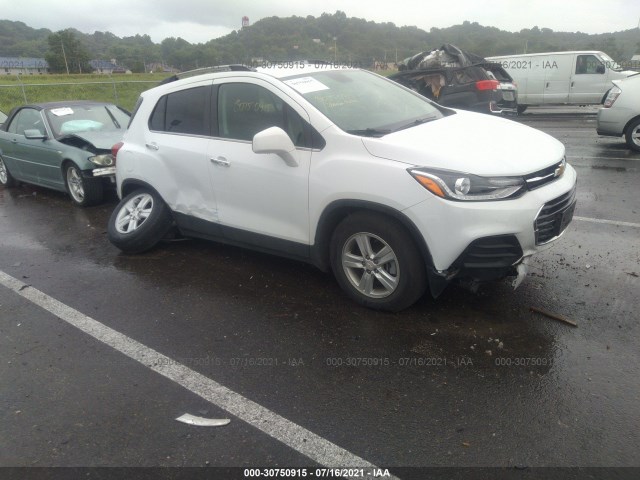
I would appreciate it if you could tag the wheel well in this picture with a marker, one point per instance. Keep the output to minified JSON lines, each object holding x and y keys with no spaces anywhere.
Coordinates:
{"x":129,"y":186}
{"x":339,"y":210}
{"x":629,"y":123}
{"x":65,"y":163}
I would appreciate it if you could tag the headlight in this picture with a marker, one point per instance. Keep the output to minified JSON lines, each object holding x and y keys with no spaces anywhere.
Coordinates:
{"x":465,"y":187}
{"x":105,"y":160}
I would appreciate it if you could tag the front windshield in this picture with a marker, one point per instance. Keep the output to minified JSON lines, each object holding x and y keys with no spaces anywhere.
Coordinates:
{"x":610,"y":62}
{"x":362,"y":103}
{"x":86,"y":118}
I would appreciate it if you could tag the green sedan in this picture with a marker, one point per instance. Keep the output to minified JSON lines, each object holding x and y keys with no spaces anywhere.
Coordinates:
{"x":65,"y":146}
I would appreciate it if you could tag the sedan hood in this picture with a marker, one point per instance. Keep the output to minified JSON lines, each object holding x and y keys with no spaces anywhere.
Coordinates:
{"x":472,"y":143}
{"x":100,"y":140}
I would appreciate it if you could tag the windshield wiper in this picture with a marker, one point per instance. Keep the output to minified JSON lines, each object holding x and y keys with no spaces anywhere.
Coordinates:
{"x":417,"y":121}
{"x":369,"y":132}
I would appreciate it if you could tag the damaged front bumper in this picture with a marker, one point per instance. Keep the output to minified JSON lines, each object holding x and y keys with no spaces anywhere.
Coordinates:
{"x":493,"y":240}
{"x":485,"y":259}
{"x":104,"y":172}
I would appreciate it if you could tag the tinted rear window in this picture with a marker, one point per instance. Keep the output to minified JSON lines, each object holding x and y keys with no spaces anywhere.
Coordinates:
{"x":185,"y":111}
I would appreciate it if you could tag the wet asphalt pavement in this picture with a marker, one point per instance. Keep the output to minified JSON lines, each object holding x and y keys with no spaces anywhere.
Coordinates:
{"x":470,"y":380}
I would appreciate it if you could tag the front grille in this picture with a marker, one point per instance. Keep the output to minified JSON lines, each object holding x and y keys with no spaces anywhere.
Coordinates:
{"x":554,"y":217}
{"x":546,"y":175}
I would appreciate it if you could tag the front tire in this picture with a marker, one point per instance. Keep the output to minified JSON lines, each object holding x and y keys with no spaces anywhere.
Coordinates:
{"x":377,"y":263}
{"x":632,"y":135}
{"x":6,"y":179}
{"x":521,"y":109}
{"x":139,"y":221}
{"x":83,"y":191}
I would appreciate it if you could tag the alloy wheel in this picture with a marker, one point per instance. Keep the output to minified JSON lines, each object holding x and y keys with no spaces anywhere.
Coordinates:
{"x":134,"y":213}
{"x":370,"y":265}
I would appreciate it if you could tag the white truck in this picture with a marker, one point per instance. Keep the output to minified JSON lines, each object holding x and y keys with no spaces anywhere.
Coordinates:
{"x":561,"y":78}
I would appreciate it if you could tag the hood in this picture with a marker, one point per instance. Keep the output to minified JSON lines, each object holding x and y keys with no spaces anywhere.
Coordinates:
{"x":100,"y":140}
{"x":471,"y":143}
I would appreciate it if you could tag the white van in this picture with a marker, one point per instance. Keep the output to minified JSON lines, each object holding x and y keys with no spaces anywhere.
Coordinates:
{"x":561,"y":78}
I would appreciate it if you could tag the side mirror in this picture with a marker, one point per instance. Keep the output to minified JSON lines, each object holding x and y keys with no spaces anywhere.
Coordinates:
{"x":34,"y":134}
{"x":275,"y":140}
{"x":600,"y":69}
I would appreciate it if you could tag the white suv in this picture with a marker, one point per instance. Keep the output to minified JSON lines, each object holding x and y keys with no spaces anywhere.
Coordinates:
{"x":344,"y":169}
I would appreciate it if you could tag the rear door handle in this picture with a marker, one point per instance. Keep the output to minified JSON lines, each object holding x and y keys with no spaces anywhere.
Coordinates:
{"x":221,"y":161}
{"x":152,"y":146}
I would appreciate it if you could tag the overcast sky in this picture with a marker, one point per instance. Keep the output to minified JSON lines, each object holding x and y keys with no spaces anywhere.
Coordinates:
{"x":200,"y":20}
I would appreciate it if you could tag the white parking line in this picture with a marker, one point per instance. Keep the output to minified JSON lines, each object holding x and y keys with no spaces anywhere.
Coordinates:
{"x":291,"y":434}
{"x":608,"y":222}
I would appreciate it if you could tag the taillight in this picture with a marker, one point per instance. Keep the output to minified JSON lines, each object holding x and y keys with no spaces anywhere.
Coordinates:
{"x":612,"y":96}
{"x":487,"y":85}
{"x":114,"y":150}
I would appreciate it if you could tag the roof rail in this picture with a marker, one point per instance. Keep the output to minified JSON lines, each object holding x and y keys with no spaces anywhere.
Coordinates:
{"x":213,"y":69}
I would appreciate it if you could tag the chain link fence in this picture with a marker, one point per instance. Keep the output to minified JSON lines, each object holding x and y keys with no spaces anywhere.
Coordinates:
{"x":122,"y":93}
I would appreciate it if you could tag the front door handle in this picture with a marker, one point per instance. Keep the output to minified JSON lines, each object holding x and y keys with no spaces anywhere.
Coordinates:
{"x":223,"y":162}
{"x":152,"y":146}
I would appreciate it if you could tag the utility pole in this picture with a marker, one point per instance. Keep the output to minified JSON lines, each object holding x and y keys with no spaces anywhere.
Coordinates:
{"x":65,"y":57}
{"x":335,"y":50}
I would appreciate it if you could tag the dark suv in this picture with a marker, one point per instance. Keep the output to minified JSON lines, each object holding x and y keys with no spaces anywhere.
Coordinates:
{"x":457,"y":79}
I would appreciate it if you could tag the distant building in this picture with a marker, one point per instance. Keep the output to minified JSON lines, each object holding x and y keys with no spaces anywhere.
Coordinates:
{"x":106,"y":67}
{"x":23,"y":66}
{"x":160,"y":67}
{"x":245,"y":21}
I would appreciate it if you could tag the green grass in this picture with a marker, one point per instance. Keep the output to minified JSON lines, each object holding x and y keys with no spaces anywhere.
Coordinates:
{"x":120,"y":89}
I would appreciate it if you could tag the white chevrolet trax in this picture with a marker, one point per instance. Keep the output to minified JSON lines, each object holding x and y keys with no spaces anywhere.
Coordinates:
{"x":344,"y":169}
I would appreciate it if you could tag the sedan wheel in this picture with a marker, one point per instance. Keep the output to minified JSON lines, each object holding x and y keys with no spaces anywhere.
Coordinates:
{"x":6,"y":179}
{"x":139,"y":221}
{"x":84,"y":191}
{"x":633,"y":136}
{"x":377,"y":262}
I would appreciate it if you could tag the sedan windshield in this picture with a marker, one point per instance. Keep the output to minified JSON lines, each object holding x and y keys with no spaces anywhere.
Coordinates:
{"x":362,"y":103}
{"x":86,"y":118}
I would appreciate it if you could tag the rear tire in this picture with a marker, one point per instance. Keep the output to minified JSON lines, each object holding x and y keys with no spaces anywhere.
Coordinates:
{"x":632,"y":135}
{"x":139,"y":221}
{"x":6,"y":179}
{"x":521,"y":109}
{"x":83,"y":191}
{"x":376,"y":262}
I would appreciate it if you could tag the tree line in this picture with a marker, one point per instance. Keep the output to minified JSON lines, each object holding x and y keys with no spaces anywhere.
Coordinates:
{"x":329,"y":37}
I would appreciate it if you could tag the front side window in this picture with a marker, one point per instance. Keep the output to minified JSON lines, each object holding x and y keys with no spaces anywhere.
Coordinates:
{"x":245,"y":109}
{"x":588,"y":64}
{"x":26,"y":119}
{"x":185,"y":111}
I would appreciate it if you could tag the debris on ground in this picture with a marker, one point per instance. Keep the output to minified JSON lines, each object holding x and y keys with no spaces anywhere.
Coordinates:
{"x":553,"y":316}
{"x":203,"y":422}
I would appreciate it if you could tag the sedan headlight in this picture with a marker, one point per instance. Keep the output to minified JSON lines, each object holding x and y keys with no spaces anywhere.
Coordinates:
{"x":105,"y":160}
{"x":465,"y":187}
